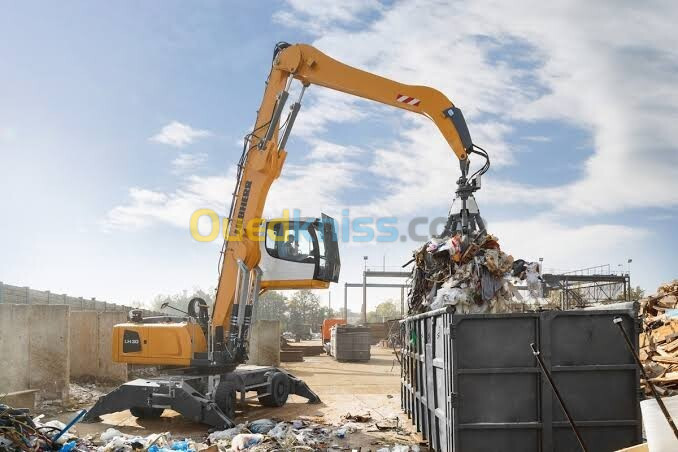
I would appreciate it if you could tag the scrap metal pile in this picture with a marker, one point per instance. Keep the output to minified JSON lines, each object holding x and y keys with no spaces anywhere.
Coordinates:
{"x":18,"y":431}
{"x":659,"y":340}
{"x":475,"y":278}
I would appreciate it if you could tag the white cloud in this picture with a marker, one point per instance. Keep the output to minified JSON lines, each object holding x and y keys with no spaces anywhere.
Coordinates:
{"x":7,"y":134}
{"x":324,"y":14}
{"x":322,"y":107}
{"x":567,"y":247}
{"x":311,"y":187}
{"x":185,"y":162}
{"x":149,"y":207}
{"x":537,"y":138}
{"x":581,"y":64}
{"x":326,"y":150}
{"x":179,"y":135}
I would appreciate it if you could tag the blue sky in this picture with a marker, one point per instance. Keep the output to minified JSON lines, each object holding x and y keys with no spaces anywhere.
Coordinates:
{"x":118,"y":119}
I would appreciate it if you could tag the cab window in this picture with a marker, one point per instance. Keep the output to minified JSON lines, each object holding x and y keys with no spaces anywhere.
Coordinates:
{"x":288,"y":243}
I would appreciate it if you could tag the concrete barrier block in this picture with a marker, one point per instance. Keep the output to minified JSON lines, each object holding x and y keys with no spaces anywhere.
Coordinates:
{"x":49,"y":350}
{"x":107,"y":369}
{"x":14,"y":348}
{"x":265,"y":343}
{"x":84,"y":344}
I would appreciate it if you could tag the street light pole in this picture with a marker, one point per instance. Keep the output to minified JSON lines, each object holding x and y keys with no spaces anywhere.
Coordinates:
{"x":364,"y":310}
{"x":629,"y":272}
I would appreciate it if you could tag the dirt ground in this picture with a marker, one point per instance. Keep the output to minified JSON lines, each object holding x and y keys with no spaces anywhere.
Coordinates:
{"x":355,"y":388}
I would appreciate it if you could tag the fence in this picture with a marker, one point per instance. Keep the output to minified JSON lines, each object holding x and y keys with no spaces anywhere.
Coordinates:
{"x":25,"y":295}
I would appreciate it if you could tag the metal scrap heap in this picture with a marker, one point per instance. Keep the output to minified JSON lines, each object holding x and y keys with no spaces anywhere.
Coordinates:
{"x":475,"y":277}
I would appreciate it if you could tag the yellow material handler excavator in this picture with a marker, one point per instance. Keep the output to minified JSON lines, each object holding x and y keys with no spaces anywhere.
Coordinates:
{"x":204,"y":352}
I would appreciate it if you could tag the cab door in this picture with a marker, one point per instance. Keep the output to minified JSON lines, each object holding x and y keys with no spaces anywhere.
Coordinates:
{"x":328,"y":264}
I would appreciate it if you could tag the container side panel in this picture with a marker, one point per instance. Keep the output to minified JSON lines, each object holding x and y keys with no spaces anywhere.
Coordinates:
{"x":487,"y":342}
{"x":498,"y":398}
{"x":581,"y":340}
{"x":499,"y":440}
{"x":599,"y":439}
{"x":596,"y":395}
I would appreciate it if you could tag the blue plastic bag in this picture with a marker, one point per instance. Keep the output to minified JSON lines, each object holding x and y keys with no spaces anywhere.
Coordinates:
{"x":68,"y":447}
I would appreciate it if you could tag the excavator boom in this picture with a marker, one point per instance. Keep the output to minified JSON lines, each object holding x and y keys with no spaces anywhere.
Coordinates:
{"x":265,"y":154}
{"x":312,"y":67}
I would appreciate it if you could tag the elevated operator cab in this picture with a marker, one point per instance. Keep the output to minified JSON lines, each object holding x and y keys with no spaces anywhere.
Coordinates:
{"x":300,"y":253}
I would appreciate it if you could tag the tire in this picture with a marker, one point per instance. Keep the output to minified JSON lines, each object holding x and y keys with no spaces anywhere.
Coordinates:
{"x":224,"y":397}
{"x":145,"y":412}
{"x":279,"y":390}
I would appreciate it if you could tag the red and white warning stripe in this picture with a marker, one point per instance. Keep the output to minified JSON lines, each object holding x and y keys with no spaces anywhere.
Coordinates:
{"x":408,"y":100}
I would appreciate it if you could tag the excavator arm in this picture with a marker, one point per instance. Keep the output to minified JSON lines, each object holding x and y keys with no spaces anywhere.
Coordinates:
{"x":312,"y":67}
{"x":264,"y":155}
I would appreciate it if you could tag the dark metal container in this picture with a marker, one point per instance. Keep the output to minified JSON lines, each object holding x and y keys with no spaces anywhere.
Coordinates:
{"x":471,"y":382}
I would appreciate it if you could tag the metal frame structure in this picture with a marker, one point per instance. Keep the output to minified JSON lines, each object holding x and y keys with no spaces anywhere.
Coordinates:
{"x":365,"y":285}
{"x":581,"y":290}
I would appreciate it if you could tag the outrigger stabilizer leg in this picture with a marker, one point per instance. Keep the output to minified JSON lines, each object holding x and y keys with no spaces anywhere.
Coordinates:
{"x":157,"y":394}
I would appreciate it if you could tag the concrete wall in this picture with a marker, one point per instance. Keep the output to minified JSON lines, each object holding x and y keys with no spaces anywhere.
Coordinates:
{"x":91,"y":345}
{"x":265,"y":343}
{"x":35,"y":348}
{"x":43,"y":346}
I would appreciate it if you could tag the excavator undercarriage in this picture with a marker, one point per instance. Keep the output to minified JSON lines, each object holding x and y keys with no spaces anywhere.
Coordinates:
{"x":205,"y":398}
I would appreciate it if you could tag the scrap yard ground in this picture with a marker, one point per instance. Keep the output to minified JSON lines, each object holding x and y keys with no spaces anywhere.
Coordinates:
{"x":343,"y":387}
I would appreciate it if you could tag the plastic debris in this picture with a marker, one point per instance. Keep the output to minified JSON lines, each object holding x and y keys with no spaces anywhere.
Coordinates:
{"x":297,"y":424}
{"x":279,"y":431}
{"x":261,"y":426}
{"x":228,"y":434}
{"x":68,"y":447}
{"x":109,"y":434}
{"x":400,"y":448}
{"x":309,"y":433}
{"x":117,"y":443}
{"x":180,"y":445}
{"x":244,"y":441}
{"x":351,"y":427}
{"x":315,"y":436}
